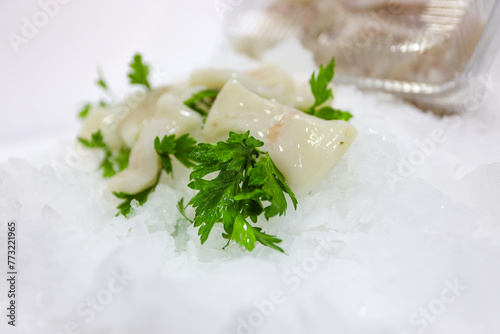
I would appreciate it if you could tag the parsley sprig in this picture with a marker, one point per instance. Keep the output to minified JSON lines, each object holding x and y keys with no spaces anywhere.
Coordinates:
{"x":247,"y":184}
{"x":112,"y":163}
{"x":138,"y":75}
{"x":141,"y":197}
{"x":180,"y":147}
{"x":84,"y":110}
{"x":139,"y":72}
{"x":102,"y":84}
{"x":202,"y":101}
{"x":322,"y":93}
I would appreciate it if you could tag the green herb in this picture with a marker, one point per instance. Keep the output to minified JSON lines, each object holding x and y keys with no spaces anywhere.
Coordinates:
{"x":96,"y":141}
{"x":247,"y":178}
{"x":181,"y":148}
{"x":107,"y":166}
{"x":111,"y":164}
{"x":100,"y":80}
{"x":86,"y":108}
{"x":322,"y":93}
{"x":120,"y":160}
{"x":101,"y":83}
{"x":328,"y":113}
{"x":141,"y":197}
{"x":319,"y":84}
{"x":202,"y":101}
{"x":84,"y":111}
{"x":139,"y":72}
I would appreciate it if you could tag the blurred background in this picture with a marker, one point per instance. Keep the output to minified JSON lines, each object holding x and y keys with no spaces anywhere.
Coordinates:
{"x":46,"y":79}
{"x":48,"y":69}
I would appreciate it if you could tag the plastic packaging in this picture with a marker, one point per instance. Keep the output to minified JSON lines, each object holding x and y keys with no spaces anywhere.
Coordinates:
{"x":434,"y":53}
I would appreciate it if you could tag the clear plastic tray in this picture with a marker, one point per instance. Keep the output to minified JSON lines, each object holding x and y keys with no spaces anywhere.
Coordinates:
{"x":435,"y":53}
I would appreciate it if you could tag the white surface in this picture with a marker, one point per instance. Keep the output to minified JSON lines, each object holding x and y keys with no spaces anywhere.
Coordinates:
{"x":397,"y":251}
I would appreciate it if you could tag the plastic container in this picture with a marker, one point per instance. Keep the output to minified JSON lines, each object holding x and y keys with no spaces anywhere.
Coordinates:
{"x":436,"y":54}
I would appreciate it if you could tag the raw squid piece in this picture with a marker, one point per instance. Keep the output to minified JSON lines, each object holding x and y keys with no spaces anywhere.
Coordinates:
{"x":268,"y":81}
{"x":305,"y":148}
{"x":138,"y":108}
{"x":171,"y":117}
{"x":104,"y":119}
{"x":238,"y":109}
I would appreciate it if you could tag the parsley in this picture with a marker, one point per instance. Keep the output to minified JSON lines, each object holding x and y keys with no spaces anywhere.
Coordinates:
{"x":322,"y":93}
{"x":100,"y":80}
{"x":246,"y":178}
{"x":328,"y":113}
{"x":86,"y":108}
{"x":180,"y":148}
{"x":139,"y":72}
{"x":96,"y":140}
{"x":111,"y":164}
{"x":141,"y":197}
{"x":101,"y":83}
{"x":202,"y":101}
{"x":107,"y":166}
{"x":120,"y":160}
{"x":84,"y":111}
{"x":319,"y":84}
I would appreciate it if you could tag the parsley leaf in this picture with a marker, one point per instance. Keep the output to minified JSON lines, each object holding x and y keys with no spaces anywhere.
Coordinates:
{"x":182,"y":209}
{"x":322,"y":93}
{"x":96,"y":141}
{"x":141,"y":197}
{"x":202,"y":101}
{"x":243,"y":233}
{"x":247,"y":178}
{"x":269,"y":178}
{"x":266,"y":239}
{"x":84,"y":111}
{"x":181,"y":148}
{"x":319,"y":84}
{"x":86,"y":108}
{"x":101,"y":83}
{"x":120,"y":160}
{"x":111,"y":164}
{"x":100,"y":80}
{"x":139,"y":72}
{"x":107,"y":165}
{"x":328,"y":113}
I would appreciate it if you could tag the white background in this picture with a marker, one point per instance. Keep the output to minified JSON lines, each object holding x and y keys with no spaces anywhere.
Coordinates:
{"x":43,"y":85}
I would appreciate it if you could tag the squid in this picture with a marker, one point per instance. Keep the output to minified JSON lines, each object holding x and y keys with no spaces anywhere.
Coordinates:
{"x":171,"y":116}
{"x":268,"y":81}
{"x":305,"y":148}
